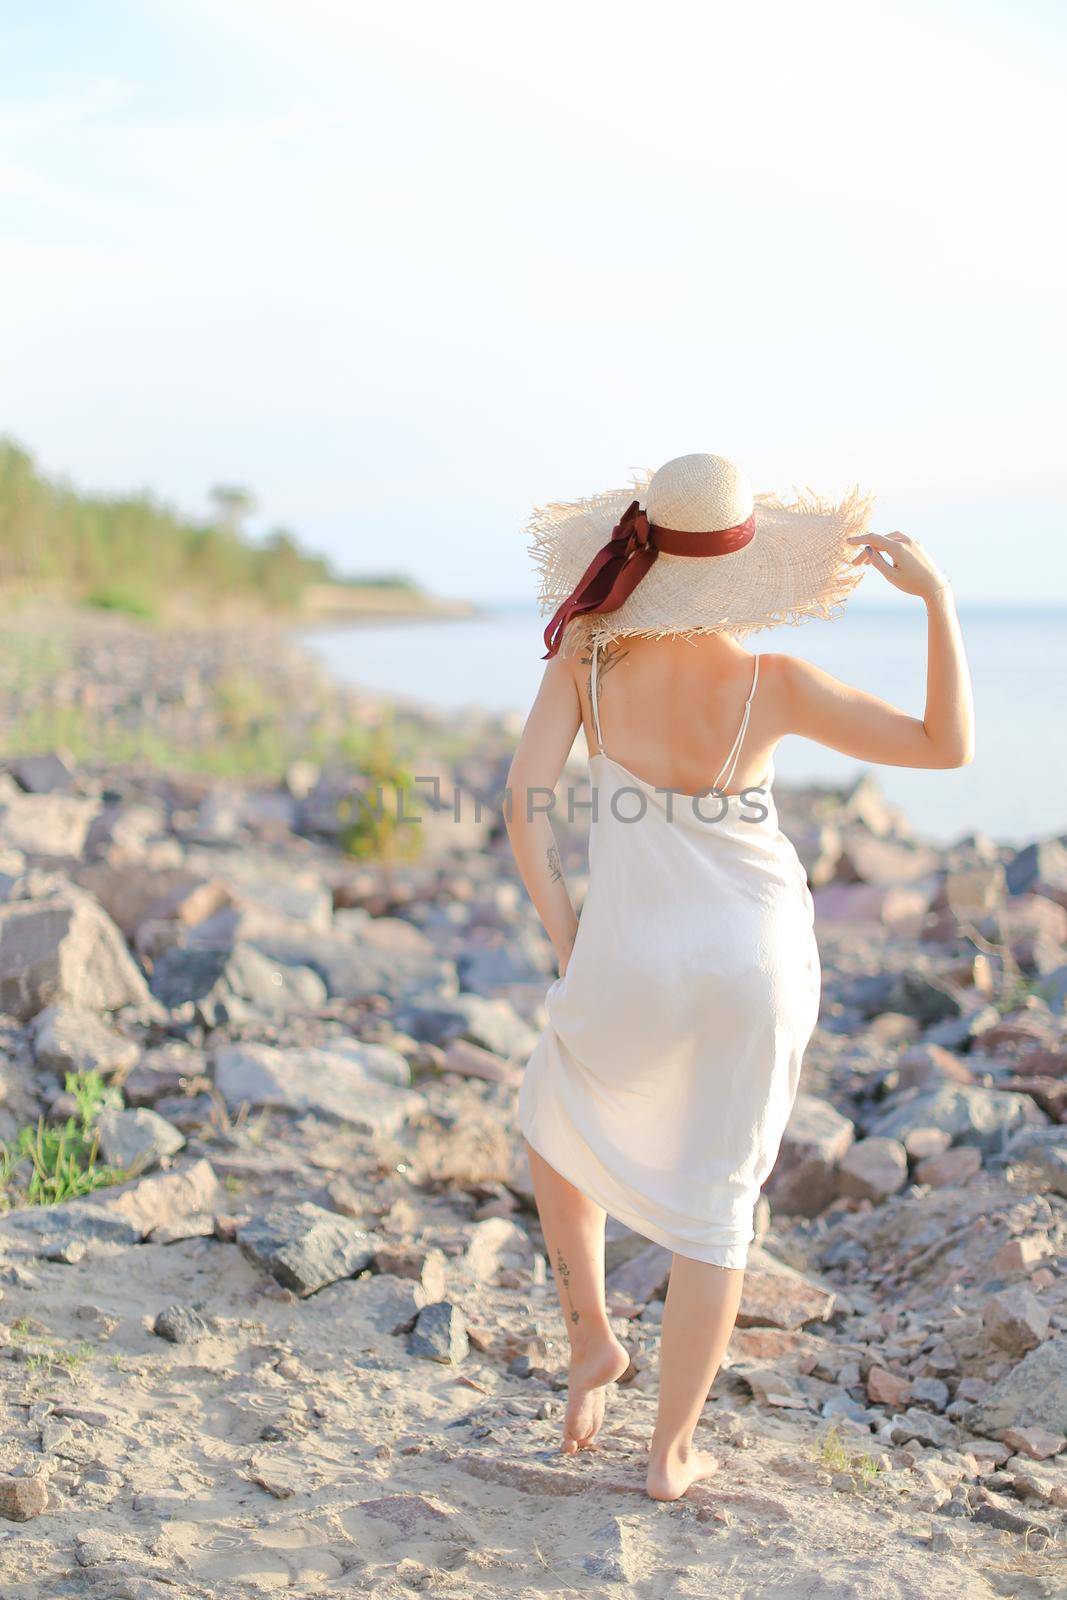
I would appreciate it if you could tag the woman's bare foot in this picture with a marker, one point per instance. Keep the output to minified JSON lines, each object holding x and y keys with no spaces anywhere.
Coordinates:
{"x":672,"y":1472}
{"x":590,"y":1370}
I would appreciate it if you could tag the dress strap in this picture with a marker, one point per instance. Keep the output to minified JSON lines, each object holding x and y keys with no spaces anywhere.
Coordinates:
{"x":729,"y":766}
{"x":593,"y":701}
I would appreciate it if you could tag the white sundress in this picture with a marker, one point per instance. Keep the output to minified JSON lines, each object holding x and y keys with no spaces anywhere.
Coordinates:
{"x":663,"y":1079}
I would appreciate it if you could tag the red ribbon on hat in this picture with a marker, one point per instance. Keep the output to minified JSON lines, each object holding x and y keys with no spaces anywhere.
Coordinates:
{"x":618,"y":567}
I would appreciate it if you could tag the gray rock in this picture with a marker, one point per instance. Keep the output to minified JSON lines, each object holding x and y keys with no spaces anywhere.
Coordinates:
{"x":48,"y":773}
{"x":1032,"y":1395}
{"x":360,"y":1084}
{"x":1053,"y":986}
{"x":931,"y":1392}
{"x":135,"y":1141}
{"x":1043,"y":1153}
{"x":494,"y":1024}
{"x":497,"y":1245}
{"x":46,"y":824}
{"x":305,"y":1247}
{"x":181,"y":1325}
{"x":873,"y":1169}
{"x":972,"y":1115}
{"x":440,"y":1334}
{"x":371,"y":1308}
{"x":70,"y":1038}
{"x":58,"y":950}
{"x":225,"y":983}
{"x":937,"y":1432}
{"x":616,"y":1554}
{"x":274,"y":883}
{"x":1016,"y":1320}
{"x":353,"y":971}
{"x":1041,"y":863}
{"x":46,"y":1228}
{"x":117,"y":1216}
{"x":804,"y":1180}
{"x":923,"y":998}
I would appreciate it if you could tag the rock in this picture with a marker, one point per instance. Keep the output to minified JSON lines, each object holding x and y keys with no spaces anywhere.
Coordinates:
{"x":305,"y":1247}
{"x":903,"y":910}
{"x":982,"y":1117}
{"x":804,"y":1179}
{"x":922,"y":1143}
{"x":351,"y":1082}
{"x":930,"y":1392}
{"x":360,"y":971}
{"x":225,"y":984}
{"x":1032,"y":1395}
{"x":135,"y":892}
{"x":279,"y":1477}
{"x":886,"y":862}
{"x":777,"y":1296}
{"x":924,"y":998}
{"x":366,"y":1310}
{"x":56,"y":951}
{"x":134,"y":1141}
{"x":951,"y":1168}
{"x":46,"y":825}
{"x":44,"y":1230}
{"x":939,"y":1433}
{"x":885,"y":1388}
{"x":493,"y":1024}
{"x":1041,"y":1153}
{"x":22,"y":1499}
{"x":170,"y":1070}
{"x":873,"y":1169}
{"x":181,"y":1325}
{"x":277,"y":885}
{"x":471,"y":1061}
{"x":1019,"y":1255}
{"x":927,"y":1066}
{"x":122,"y":1215}
{"x":440,"y":1334}
{"x":47,"y":773}
{"x":642,"y":1278}
{"x":1016,"y":1320}
{"x":422,"y":1266}
{"x":1039,"y":865}
{"x":1037,"y":1443}
{"x":496,"y":1245}
{"x":616,"y":1555}
{"x":70,"y":1038}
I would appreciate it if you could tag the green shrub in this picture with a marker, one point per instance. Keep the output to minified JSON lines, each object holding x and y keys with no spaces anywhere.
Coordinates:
{"x":44,"y":1165}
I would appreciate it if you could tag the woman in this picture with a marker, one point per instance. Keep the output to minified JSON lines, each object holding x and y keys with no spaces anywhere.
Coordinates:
{"x":662,"y":1082}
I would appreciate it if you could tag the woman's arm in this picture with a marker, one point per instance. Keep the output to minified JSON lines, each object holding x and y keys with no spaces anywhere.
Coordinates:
{"x":820,"y":707}
{"x":546,"y":742}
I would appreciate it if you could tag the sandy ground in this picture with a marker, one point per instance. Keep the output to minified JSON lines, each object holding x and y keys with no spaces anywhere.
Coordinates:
{"x":300,"y":1450}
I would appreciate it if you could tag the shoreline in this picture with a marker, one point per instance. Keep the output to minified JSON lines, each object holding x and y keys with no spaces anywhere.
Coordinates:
{"x":308,"y":1027}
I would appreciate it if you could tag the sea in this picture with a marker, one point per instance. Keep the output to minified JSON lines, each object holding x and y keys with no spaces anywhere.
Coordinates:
{"x":1015,"y":790}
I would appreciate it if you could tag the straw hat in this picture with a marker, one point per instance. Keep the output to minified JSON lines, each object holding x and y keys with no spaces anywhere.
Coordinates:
{"x":690,"y":549}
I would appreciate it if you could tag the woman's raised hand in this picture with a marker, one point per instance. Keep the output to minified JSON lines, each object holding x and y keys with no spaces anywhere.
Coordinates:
{"x":902,"y":561}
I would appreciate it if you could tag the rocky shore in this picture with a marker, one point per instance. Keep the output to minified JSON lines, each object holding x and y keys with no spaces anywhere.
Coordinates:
{"x":294,"y":1331}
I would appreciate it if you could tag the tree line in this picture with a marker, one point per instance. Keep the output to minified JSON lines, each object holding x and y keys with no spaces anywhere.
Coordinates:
{"x":132,"y":552}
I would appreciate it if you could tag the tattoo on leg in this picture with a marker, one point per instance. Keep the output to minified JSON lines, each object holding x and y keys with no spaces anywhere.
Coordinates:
{"x":565,"y":1279}
{"x":554,"y":866}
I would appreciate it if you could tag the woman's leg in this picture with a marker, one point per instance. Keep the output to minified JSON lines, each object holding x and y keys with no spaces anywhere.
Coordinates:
{"x":698,"y":1318}
{"x":573,"y":1227}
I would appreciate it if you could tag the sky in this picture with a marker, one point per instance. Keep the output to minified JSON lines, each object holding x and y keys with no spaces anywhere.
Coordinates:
{"x":407,"y":270}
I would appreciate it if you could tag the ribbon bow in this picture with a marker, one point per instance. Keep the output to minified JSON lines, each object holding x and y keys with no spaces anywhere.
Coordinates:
{"x":611,"y":577}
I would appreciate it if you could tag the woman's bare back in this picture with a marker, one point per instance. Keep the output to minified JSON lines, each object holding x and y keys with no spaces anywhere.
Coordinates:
{"x":670,"y":709}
